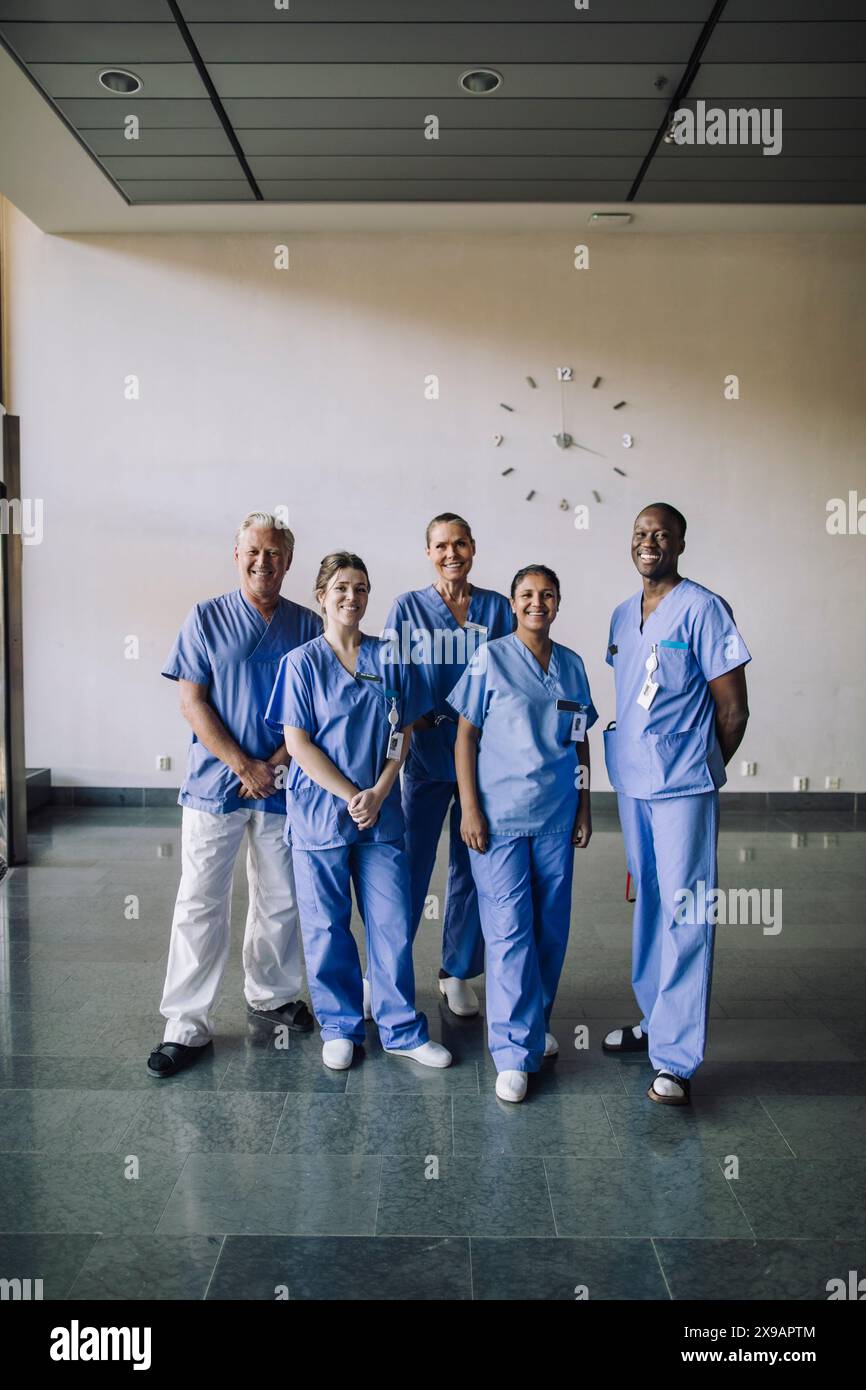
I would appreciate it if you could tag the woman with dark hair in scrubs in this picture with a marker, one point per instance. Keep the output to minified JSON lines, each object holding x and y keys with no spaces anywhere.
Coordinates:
{"x":439,"y":629}
{"x":523,"y":769}
{"x":346,"y":718}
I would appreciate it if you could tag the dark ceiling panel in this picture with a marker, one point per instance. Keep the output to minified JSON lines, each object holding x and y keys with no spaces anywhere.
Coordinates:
{"x":799,"y":143}
{"x":154,"y":141}
{"x":328,"y":100}
{"x":491,"y":12}
{"x":787,"y":43}
{"x":441,"y":166}
{"x":597,"y":143}
{"x":433,"y":80}
{"x":95,"y":113}
{"x":810,"y":113}
{"x":188,"y":191}
{"x":757,"y":82}
{"x":456,"y":113}
{"x":780,"y":11}
{"x":120,"y":44}
{"x":80,"y":80}
{"x":750,"y":192}
{"x":463,"y":45}
{"x":729,"y":165}
{"x":448,"y":191}
{"x":175,"y":166}
{"x":85,"y":11}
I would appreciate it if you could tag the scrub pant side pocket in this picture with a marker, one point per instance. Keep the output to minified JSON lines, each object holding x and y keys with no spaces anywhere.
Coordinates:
{"x":552,"y":877}
{"x":635,"y":818}
{"x":324,"y":887}
{"x":380,"y":872}
{"x":425,"y":806}
{"x":685,"y":833}
{"x":462,"y":938}
{"x":515,"y":995}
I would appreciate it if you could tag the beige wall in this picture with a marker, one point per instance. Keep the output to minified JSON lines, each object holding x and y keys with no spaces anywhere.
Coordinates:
{"x":306,"y":388}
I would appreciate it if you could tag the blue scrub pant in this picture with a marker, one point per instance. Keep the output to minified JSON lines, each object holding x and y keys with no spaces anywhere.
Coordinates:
{"x":524,"y":893}
{"x":323,"y":880}
{"x":671,"y":845}
{"x":425,"y":804}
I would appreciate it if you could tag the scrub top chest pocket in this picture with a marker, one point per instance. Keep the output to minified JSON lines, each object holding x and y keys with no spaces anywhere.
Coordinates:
{"x":674,"y":658}
{"x":577,"y":716}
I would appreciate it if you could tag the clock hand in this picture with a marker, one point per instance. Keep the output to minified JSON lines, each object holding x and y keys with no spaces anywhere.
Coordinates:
{"x":567,"y":441}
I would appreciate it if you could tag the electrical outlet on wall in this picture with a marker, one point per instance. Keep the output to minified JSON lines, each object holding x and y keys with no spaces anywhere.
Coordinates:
{"x":801,"y":784}
{"x":832,"y":784}
{"x":748,"y":769}
{"x":163,"y":763}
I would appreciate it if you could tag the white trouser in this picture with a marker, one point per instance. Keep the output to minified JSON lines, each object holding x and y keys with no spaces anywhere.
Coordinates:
{"x":273,"y":970}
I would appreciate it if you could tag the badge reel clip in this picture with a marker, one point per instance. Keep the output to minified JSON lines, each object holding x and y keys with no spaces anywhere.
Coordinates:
{"x":395,"y":737}
{"x":650,"y":688}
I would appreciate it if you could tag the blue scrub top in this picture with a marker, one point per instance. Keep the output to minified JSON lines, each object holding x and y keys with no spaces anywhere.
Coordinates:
{"x":424,"y":632}
{"x":347,"y":717}
{"x":670,"y":749}
{"x":527,"y":760}
{"x":226,"y":645}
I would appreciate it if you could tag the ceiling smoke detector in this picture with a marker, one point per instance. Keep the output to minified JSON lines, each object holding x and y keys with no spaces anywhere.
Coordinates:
{"x":120,"y":82}
{"x":480,"y":81}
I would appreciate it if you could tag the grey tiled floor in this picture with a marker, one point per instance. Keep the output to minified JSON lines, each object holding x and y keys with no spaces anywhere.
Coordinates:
{"x":258,"y":1174}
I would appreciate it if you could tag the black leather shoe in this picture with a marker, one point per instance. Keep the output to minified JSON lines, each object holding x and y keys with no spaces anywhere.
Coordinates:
{"x":295,"y":1016}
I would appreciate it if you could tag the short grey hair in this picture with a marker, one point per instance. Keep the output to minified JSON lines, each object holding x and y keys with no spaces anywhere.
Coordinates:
{"x":266,"y":521}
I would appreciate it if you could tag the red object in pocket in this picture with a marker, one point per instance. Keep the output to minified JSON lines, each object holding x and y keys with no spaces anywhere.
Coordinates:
{"x":627,"y":888}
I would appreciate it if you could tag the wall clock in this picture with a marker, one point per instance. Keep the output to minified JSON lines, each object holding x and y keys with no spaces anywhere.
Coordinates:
{"x":565,"y":430}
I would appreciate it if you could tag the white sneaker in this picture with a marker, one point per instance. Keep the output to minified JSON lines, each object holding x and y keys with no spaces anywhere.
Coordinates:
{"x":511,"y":1085}
{"x":337,"y":1053}
{"x":428,"y":1054}
{"x":368,"y":999}
{"x":460,"y":996}
{"x":551,"y":1046}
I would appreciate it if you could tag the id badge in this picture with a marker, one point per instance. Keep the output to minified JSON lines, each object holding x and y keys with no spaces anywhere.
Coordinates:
{"x":648,"y":692}
{"x":578,"y":727}
{"x":395,"y":745}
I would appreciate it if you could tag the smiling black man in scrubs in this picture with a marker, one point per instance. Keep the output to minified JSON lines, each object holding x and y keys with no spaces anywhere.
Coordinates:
{"x":679,"y":666}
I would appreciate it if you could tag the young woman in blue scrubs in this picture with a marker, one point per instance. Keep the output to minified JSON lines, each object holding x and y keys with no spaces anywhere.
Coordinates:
{"x":523,"y":768}
{"x":346,"y":719}
{"x":439,"y":628}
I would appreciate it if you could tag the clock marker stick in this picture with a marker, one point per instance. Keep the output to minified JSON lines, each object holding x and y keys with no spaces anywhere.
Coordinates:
{"x":620,"y":471}
{"x":507,"y":407}
{"x":596,"y":383}
{"x":619,"y":405}
{"x":506,"y":471}
{"x":530,"y":495}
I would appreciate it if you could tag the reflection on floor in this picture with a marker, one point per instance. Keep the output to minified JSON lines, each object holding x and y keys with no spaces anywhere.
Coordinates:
{"x":260,"y":1175}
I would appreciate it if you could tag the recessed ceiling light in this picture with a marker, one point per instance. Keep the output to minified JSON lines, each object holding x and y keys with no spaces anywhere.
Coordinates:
{"x":480,"y":81}
{"x":117,"y":80}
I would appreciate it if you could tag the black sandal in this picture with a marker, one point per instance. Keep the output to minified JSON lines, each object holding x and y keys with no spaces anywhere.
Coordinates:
{"x":295,"y":1016}
{"x":684,"y":1099}
{"x":171,"y":1057}
{"x":629,"y":1042}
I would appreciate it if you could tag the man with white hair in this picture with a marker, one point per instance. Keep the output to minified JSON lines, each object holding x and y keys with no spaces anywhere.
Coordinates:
{"x":225,"y":661}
